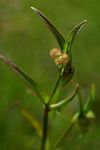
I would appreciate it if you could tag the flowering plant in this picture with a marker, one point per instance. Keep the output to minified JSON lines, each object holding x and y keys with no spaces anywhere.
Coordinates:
{"x":63,"y":61}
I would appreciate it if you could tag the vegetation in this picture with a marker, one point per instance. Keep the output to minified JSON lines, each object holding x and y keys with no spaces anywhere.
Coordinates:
{"x":64,"y":62}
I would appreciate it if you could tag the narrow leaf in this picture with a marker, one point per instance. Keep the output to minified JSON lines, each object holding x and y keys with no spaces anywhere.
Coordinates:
{"x":90,"y":100}
{"x":81,"y":105}
{"x":71,"y":36}
{"x":67,"y":100}
{"x":35,"y":124}
{"x":32,"y":84}
{"x":52,"y":27}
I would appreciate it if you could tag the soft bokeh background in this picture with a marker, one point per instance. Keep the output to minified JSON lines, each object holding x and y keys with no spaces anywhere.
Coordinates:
{"x":25,"y":39}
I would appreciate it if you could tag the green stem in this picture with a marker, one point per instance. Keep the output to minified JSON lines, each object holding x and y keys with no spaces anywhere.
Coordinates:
{"x":64,"y":135}
{"x":80,"y":97}
{"x":45,"y":127}
{"x":46,"y":112}
{"x":55,"y":88}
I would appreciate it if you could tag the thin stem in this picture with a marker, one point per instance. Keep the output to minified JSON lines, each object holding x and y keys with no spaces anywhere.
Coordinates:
{"x":81,"y":103}
{"x":64,"y":135}
{"x":46,"y":112}
{"x":45,"y":127}
{"x":55,"y":88}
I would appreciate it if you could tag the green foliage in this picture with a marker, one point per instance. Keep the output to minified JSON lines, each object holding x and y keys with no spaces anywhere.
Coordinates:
{"x":53,"y":29}
{"x":90,"y":99}
{"x":36,"y":88}
{"x":66,"y":72}
{"x":71,"y":36}
{"x":65,"y":45}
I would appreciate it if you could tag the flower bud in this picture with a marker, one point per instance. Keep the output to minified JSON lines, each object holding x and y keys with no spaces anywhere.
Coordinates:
{"x":55,"y":52}
{"x":58,"y":61}
{"x":64,"y":58}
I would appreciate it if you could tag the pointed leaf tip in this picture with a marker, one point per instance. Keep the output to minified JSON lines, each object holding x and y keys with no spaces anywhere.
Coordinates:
{"x":90,"y":100}
{"x":71,"y":36}
{"x":34,"y":8}
{"x":60,"y":39}
{"x":31,"y":83}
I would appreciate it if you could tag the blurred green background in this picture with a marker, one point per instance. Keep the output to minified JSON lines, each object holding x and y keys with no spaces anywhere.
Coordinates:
{"x":25,"y":39}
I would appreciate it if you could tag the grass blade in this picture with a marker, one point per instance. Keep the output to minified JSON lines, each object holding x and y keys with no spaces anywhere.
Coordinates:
{"x":35,"y":124}
{"x":52,"y":27}
{"x":32,"y":84}
{"x":81,"y":105}
{"x":71,"y":36}
{"x":90,"y":100}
